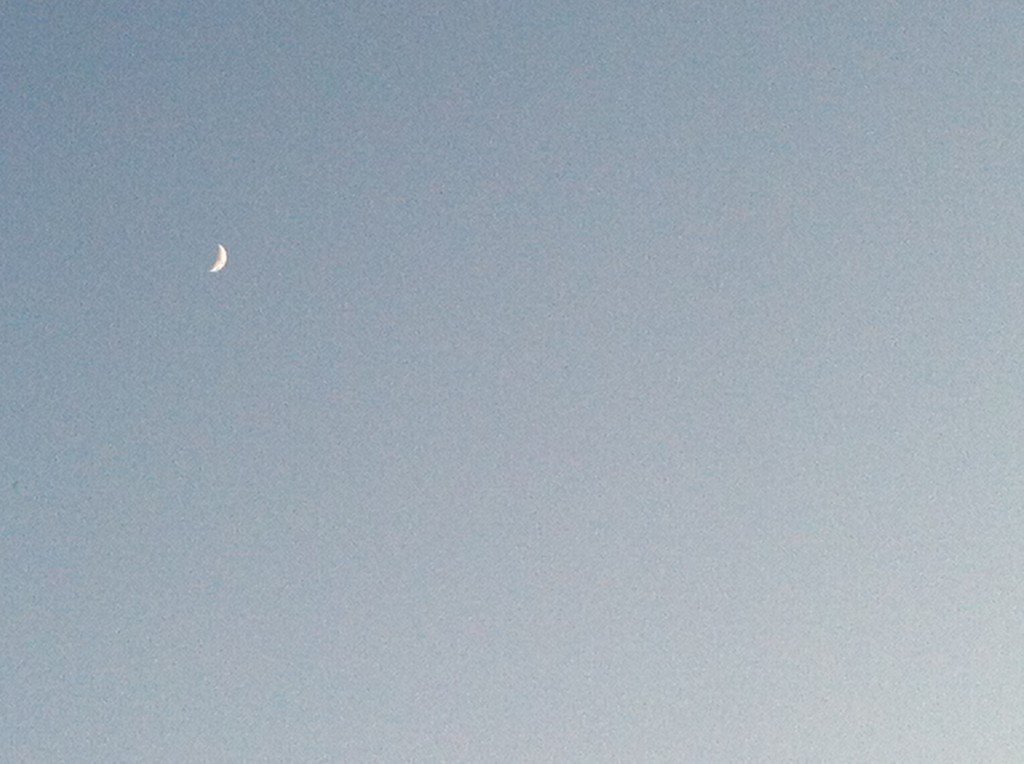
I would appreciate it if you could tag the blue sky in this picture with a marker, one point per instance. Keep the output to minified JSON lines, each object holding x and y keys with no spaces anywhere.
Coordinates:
{"x":589,"y":381}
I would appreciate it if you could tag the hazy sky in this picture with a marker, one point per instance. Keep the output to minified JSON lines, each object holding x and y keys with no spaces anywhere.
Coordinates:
{"x":590,"y":381}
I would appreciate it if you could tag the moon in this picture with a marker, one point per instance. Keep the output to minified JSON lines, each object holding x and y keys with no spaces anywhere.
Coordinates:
{"x":222,"y":259}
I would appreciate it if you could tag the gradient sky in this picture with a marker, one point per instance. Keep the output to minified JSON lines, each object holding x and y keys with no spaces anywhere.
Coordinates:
{"x":590,"y":381}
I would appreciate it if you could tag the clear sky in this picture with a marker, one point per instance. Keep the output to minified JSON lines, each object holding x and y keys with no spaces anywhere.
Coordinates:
{"x":589,"y":381}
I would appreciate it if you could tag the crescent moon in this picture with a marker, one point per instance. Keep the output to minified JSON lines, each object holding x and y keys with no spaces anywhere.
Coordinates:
{"x":222,"y":259}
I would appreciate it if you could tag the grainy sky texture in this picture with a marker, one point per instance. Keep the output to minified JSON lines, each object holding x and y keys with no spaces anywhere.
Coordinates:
{"x":590,"y":381}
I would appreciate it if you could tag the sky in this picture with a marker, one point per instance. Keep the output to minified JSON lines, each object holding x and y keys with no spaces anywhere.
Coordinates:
{"x":589,"y":381}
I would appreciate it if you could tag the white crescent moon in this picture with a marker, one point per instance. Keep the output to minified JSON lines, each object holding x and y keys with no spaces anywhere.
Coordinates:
{"x":222,"y":259}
